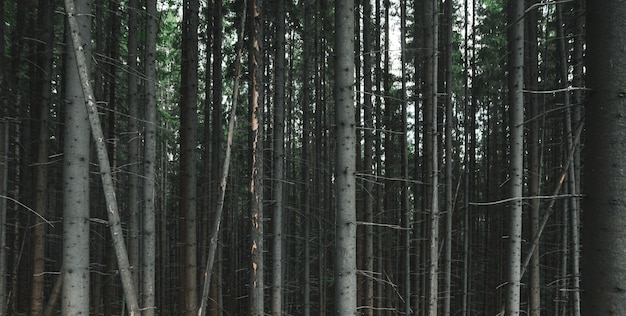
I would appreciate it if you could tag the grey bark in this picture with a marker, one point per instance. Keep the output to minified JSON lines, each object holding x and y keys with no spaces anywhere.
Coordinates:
{"x":605,"y":181}
{"x":515,"y":38}
{"x":76,"y":211}
{"x":279,"y":162}
{"x":133,"y":144}
{"x":431,"y":149}
{"x":449,"y":125}
{"x":368,"y":167}
{"x":534,"y":300}
{"x":75,"y":291}
{"x":148,"y":260}
{"x":345,"y":155}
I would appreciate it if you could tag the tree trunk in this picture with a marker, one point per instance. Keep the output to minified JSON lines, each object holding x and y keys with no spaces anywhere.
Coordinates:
{"x":305,"y":195}
{"x":257,"y":168}
{"x":75,"y":297}
{"x":449,"y":196}
{"x":605,"y":182}
{"x":40,"y":173}
{"x":516,"y":143}
{"x":149,"y":164}
{"x":368,"y":167}
{"x":188,"y":144}
{"x":279,"y":162}
{"x":534,"y":179}
{"x":345,"y":230}
{"x":431,"y":149}
{"x":133,"y":143}
{"x":71,"y":286}
{"x":4,"y":173}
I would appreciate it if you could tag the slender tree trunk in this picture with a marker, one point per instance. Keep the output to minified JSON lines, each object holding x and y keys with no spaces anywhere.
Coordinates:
{"x":188,"y":143}
{"x":215,"y":232}
{"x":279,"y":162}
{"x":604,"y":164}
{"x":149,"y":164}
{"x":305,"y":168}
{"x":75,"y":297}
{"x":404,"y":163}
{"x":257,"y":169}
{"x":133,"y":143}
{"x":345,"y":230}
{"x":534,"y":180}
{"x":431,"y":149}
{"x":449,"y":201}
{"x":368,"y":167}
{"x":516,"y":142}
{"x":4,"y":174}
{"x":571,"y":173}
{"x":40,"y":173}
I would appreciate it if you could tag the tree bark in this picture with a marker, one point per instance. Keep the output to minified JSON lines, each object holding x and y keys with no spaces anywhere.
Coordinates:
{"x":345,"y":229}
{"x":515,"y":37}
{"x":279,"y":162}
{"x":76,"y":214}
{"x":149,"y":164}
{"x":605,"y":181}
{"x":75,"y":292}
{"x":40,"y":172}
{"x":188,"y":143}
{"x":534,"y":177}
{"x":257,"y":169}
{"x":133,"y":143}
{"x":4,"y":174}
{"x":431,"y":159}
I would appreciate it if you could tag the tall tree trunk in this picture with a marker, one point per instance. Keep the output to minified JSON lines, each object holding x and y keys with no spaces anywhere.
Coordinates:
{"x":305,"y":168}
{"x":431,"y":148}
{"x":257,"y":169}
{"x":188,"y":143}
{"x":40,"y":183}
{"x":534,"y":179}
{"x":133,"y":143}
{"x":404,"y":163}
{"x":571,"y":173}
{"x":515,"y":37}
{"x":279,"y":162}
{"x":148,"y":239}
{"x":449,"y":196}
{"x":75,"y":297}
{"x":368,"y":167}
{"x":604,"y":164}
{"x":4,"y":174}
{"x":82,"y":70}
{"x":345,"y":227}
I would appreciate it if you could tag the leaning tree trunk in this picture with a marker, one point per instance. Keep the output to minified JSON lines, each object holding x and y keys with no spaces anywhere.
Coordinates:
{"x":76,"y":219}
{"x":605,"y":181}
{"x":516,"y":142}
{"x":345,"y":155}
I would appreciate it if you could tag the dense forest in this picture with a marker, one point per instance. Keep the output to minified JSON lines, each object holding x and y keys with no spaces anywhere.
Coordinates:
{"x":311,"y":157}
